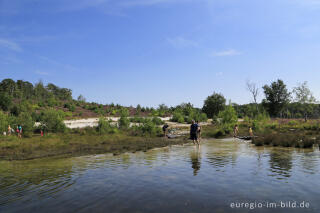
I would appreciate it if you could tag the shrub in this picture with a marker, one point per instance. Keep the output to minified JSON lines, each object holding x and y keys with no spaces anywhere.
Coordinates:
{"x":157,"y":121}
{"x":52,"y":120}
{"x":124,"y":123}
{"x":27,"y":123}
{"x":104,"y":126}
{"x":150,"y":128}
{"x":177,"y":117}
{"x":4,"y":122}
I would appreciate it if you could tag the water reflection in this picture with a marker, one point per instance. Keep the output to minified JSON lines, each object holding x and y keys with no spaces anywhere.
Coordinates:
{"x":173,"y":179}
{"x":281,"y":162}
{"x":195,"y":157}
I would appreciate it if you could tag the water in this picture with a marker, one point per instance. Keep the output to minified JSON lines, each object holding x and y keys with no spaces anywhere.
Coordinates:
{"x":172,"y":179}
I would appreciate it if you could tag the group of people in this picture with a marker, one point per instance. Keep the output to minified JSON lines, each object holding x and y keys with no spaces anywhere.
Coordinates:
{"x":236,"y":131}
{"x":11,"y":131}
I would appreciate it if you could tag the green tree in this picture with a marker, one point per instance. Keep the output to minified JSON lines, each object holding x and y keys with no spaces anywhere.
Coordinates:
{"x":104,"y":126}
{"x":228,"y":118}
{"x":4,"y":122}
{"x":214,"y":104}
{"x":25,"y":120}
{"x":52,"y":120}
{"x":5,"y":101}
{"x":8,"y":86}
{"x":277,"y":97}
{"x":81,"y":99}
{"x":304,"y":96}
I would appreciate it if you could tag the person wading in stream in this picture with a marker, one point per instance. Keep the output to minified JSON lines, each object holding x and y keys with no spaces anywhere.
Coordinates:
{"x":199,"y":132}
{"x":193,"y":132}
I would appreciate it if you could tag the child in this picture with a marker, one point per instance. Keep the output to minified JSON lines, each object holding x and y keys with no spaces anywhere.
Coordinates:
{"x":235,"y":131}
{"x":250,"y":131}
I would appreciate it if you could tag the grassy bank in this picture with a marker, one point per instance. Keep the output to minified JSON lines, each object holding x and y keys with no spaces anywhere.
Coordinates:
{"x":74,"y":144}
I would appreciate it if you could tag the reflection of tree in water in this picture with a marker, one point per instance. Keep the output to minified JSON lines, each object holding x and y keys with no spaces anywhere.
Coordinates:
{"x":281,"y":162}
{"x":221,"y":158}
{"x":308,"y":160}
{"x":20,"y":178}
{"x":196,"y":160}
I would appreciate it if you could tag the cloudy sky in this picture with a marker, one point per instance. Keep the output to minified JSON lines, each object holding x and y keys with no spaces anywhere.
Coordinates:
{"x":161,"y":51}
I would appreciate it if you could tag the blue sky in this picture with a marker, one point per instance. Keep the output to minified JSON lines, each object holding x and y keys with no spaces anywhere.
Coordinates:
{"x":161,"y":51}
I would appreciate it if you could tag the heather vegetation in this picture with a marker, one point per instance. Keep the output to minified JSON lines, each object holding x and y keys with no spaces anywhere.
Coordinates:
{"x":283,"y":118}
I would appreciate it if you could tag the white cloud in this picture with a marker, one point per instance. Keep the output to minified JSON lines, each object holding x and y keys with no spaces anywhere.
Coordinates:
{"x":180,"y":42}
{"x":229,"y":52}
{"x":41,"y":72}
{"x":10,"y":45}
{"x":219,"y":74}
{"x":150,"y":2}
{"x":9,"y":60}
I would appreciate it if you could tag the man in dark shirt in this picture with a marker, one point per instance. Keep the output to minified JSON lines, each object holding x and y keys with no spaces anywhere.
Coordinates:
{"x":193,"y":132}
{"x":165,"y":130}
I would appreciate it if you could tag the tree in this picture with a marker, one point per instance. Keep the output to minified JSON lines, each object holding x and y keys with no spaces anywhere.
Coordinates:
{"x":277,"y":97}
{"x":228,"y":118}
{"x":5,"y":101}
{"x":254,"y":90}
{"x":8,"y":86}
{"x":25,"y":120}
{"x":81,"y":99}
{"x":304,"y":96}
{"x":52,"y":120}
{"x":214,"y":104}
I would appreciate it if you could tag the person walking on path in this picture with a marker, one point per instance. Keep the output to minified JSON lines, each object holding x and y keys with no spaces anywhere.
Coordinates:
{"x":193,"y":133}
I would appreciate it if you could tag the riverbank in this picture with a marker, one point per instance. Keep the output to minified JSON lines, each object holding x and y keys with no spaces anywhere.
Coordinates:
{"x":75,"y":144}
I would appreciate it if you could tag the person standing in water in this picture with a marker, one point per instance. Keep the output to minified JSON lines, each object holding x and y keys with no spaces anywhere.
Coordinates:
{"x":235,"y":131}
{"x":250,"y":132}
{"x":193,"y":132}
{"x":199,"y":131}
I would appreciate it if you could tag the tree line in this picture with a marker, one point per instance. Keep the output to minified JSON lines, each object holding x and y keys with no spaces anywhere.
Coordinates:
{"x":278,"y":102}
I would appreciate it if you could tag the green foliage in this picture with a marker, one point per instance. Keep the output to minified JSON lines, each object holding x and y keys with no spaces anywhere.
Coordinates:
{"x":26,"y":121}
{"x":157,"y":121}
{"x":104,"y":126}
{"x":124,"y":123}
{"x":150,"y":128}
{"x":214,"y":104}
{"x":52,"y":120}
{"x":177,"y":117}
{"x":277,"y":97}
{"x":4,"y":122}
{"x":5,"y":101}
{"x":228,"y":118}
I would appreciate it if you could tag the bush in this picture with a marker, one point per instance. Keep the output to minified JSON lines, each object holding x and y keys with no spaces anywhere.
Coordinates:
{"x":27,"y":123}
{"x":104,"y":126}
{"x":228,"y":118}
{"x":124,"y":123}
{"x":4,"y":122}
{"x":157,"y":121}
{"x":52,"y":120}
{"x":150,"y":128}
{"x":177,"y":117}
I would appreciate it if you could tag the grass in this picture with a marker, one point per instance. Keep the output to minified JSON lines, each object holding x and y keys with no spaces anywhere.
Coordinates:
{"x":73,"y":144}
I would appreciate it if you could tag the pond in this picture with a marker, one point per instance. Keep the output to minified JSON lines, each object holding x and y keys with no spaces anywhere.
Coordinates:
{"x":219,"y":176}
